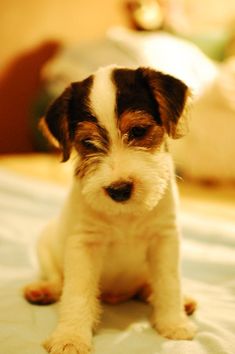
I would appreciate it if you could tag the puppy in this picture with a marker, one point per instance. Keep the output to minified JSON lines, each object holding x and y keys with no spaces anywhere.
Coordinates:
{"x":118,"y":235}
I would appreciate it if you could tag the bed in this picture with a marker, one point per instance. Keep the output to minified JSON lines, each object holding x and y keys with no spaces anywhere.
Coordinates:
{"x":32,"y":189}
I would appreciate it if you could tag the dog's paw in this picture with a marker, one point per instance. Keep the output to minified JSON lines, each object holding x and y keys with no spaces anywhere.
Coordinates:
{"x":181,"y":329}
{"x":66,"y":344}
{"x":42,"y":293}
{"x":190,"y":305}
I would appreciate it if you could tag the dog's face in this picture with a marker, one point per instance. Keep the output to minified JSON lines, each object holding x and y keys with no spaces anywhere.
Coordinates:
{"x":118,"y":120}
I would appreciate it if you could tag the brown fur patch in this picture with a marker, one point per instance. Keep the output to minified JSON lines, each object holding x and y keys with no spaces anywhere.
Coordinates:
{"x":90,"y":138}
{"x":63,"y":143}
{"x":136,"y":119}
{"x":43,"y":127}
{"x":91,"y":141}
{"x":171,"y":95}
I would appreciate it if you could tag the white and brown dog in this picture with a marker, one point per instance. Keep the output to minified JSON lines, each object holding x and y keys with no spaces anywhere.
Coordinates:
{"x":118,"y":234}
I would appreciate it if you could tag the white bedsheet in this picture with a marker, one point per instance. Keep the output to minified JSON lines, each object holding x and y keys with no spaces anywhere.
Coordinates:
{"x":208,"y":267}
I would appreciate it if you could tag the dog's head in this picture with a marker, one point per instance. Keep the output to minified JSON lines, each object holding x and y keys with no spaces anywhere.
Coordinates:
{"x":118,"y":120}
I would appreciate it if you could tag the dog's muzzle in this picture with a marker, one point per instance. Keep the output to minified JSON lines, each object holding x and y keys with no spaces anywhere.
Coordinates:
{"x":120,"y":191}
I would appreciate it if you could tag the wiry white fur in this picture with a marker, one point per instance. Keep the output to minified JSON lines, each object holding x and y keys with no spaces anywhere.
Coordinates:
{"x":103,"y":100}
{"x":99,"y":246}
{"x":149,"y":173}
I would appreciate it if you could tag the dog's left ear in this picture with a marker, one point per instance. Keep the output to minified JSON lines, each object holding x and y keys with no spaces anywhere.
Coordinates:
{"x":55,"y":124}
{"x":171,"y":95}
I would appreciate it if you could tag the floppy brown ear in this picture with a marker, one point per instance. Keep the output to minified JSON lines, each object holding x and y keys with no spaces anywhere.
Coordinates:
{"x":171,"y":95}
{"x":55,"y":124}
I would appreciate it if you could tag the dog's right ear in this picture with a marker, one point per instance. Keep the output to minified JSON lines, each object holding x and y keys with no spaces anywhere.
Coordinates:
{"x":55,"y":124}
{"x":173,"y":98}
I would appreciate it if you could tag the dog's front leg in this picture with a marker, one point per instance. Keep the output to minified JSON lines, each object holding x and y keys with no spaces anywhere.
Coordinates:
{"x":169,"y":317}
{"x":79,"y":308}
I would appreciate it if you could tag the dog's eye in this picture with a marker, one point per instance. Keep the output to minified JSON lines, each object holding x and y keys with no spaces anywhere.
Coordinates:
{"x":87,"y":144}
{"x":138,"y":132}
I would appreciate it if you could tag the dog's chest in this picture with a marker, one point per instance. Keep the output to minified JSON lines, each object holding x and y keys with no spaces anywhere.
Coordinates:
{"x":125,"y":261}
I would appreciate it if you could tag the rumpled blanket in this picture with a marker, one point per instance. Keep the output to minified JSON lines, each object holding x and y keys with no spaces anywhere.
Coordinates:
{"x":208,"y":252}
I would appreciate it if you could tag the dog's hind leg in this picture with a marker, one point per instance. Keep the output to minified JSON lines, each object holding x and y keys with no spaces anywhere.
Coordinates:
{"x":48,"y":289}
{"x":190,"y":305}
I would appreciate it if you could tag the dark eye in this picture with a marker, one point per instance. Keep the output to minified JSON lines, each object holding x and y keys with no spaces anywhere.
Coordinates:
{"x":138,"y":132}
{"x":87,"y":144}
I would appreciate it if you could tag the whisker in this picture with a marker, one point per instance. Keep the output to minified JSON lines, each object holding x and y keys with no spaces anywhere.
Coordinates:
{"x":179,"y":177}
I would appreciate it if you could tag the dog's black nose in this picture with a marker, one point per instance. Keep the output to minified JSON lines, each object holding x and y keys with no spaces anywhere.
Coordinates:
{"x":120,"y":191}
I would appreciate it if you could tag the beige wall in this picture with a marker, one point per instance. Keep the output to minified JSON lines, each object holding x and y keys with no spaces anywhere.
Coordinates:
{"x":25,"y":23}
{"x":206,"y":14}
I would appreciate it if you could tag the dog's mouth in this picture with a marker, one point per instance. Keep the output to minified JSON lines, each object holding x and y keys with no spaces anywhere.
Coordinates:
{"x":120,"y":191}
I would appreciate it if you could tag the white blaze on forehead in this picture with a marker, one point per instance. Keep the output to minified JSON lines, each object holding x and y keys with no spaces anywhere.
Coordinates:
{"x":103,"y":100}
